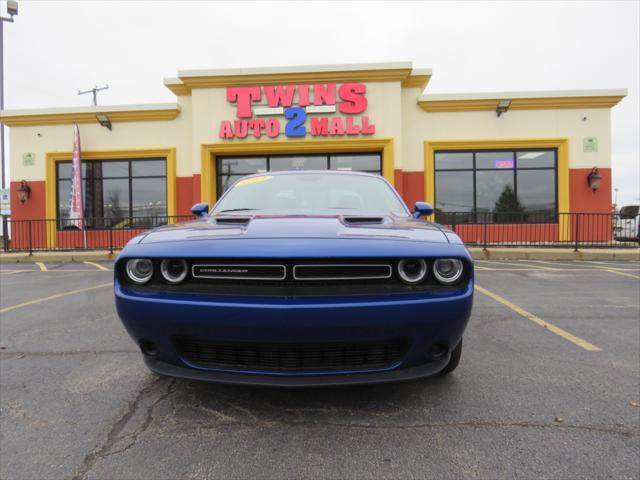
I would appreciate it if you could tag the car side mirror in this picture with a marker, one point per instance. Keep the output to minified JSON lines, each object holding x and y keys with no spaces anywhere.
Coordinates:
{"x":422,"y":209}
{"x":200,"y":209}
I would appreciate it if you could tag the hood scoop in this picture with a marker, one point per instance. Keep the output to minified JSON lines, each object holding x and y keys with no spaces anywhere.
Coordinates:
{"x":364,"y":220}
{"x":233,"y":220}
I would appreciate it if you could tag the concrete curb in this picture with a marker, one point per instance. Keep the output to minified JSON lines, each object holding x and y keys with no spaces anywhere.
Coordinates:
{"x":554,"y":254}
{"x":58,"y":257}
{"x":478,"y":253}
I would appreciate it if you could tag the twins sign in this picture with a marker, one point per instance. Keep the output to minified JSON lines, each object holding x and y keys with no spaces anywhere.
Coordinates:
{"x":320,"y":110}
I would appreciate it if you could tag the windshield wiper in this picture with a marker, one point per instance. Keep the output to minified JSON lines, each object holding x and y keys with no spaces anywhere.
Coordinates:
{"x":237,"y":210}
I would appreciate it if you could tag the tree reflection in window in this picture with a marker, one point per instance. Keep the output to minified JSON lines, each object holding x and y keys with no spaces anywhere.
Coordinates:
{"x":501,"y":186}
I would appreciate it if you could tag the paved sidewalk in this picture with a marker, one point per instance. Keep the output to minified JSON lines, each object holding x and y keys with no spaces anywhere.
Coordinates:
{"x":514,"y":253}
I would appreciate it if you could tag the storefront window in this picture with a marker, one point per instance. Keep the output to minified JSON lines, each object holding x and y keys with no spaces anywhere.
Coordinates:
{"x":502,"y":186}
{"x":117,"y":193}
{"x":232,"y":169}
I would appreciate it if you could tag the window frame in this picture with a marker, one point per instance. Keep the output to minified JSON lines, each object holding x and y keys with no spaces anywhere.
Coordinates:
{"x":474,"y":214}
{"x":130,"y":178}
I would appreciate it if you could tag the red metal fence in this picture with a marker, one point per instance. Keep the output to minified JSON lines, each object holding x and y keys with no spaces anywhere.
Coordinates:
{"x":578,"y":230}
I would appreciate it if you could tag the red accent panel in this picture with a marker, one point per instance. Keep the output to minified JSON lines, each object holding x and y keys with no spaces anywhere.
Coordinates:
{"x":99,"y":239}
{"x":582,"y":199}
{"x":397,"y":180}
{"x":509,"y":232}
{"x":195,"y":189}
{"x":32,"y":208}
{"x":412,"y":187}
{"x":184,"y":196}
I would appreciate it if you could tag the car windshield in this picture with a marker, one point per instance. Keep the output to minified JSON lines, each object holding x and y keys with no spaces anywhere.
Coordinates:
{"x":312,"y":192}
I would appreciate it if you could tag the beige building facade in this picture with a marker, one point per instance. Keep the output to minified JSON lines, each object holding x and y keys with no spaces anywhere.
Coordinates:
{"x":473,"y":153}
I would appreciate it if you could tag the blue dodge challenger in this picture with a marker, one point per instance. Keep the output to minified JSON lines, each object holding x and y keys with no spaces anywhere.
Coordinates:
{"x":299,"y":278}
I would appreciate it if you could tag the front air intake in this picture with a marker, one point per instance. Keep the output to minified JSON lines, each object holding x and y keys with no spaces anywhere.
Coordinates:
{"x":329,"y":356}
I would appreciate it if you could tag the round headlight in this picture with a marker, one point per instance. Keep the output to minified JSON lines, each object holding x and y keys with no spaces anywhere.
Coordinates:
{"x":139,"y":270}
{"x":412,"y":270}
{"x":173,"y":271}
{"x":448,"y":270}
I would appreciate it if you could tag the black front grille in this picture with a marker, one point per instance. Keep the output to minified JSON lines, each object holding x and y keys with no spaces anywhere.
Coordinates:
{"x":243,"y":271}
{"x":337,"y":356}
{"x":291,"y":278}
{"x":341,"y":271}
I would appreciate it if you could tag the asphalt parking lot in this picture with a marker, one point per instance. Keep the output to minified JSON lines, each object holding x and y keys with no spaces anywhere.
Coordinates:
{"x":548,"y":387}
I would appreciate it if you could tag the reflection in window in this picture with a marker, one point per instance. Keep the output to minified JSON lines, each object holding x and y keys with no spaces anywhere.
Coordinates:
{"x":117,"y":193}
{"x":359,"y":162}
{"x":492,"y":186}
{"x":536,"y":190}
{"x":231,"y":169}
{"x":315,"y":162}
{"x":454,"y":191}
{"x":500,"y":186}
{"x":454,"y":160}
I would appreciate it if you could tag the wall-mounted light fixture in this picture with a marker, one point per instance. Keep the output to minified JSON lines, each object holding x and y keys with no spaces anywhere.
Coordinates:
{"x":503,"y":106}
{"x":594,"y":179}
{"x":24,"y":191}
{"x":103,"y":120}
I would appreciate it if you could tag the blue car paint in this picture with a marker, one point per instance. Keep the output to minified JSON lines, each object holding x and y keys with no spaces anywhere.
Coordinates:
{"x":424,"y":317}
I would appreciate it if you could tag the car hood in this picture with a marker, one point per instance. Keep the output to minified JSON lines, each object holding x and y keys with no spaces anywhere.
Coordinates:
{"x":387,"y":227}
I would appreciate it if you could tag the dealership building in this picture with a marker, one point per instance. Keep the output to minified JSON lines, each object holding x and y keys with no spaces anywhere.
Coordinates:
{"x":478,"y":158}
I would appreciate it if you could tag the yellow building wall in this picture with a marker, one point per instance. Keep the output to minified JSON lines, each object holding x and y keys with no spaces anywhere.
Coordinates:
{"x":44,"y":139}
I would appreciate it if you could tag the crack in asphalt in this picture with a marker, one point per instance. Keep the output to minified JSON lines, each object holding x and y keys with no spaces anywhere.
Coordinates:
{"x":631,"y":432}
{"x":113,"y":436}
{"x":133,"y":436}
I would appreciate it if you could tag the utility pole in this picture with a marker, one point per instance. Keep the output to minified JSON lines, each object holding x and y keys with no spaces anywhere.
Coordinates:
{"x":94,"y":91}
{"x":12,"y":10}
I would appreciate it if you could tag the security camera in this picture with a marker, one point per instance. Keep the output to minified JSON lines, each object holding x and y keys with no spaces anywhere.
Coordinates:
{"x":12,"y":7}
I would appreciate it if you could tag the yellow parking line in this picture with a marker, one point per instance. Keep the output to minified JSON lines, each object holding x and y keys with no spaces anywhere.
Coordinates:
{"x":98,"y":266}
{"x":53,"y":297}
{"x":531,"y":269}
{"x":602,"y":266}
{"x":43,"y":267}
{"x":535,"y":319}
{"x":621,"y":273}
{"x":563,"y":264}
{"x":607,"y":264}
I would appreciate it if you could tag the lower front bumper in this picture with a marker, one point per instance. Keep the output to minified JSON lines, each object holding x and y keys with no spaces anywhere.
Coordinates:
{"x":426,"y":321}
{"x":397,"y":375}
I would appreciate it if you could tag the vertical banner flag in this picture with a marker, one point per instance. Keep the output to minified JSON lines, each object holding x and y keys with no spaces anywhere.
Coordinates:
{"x":76,"y":207}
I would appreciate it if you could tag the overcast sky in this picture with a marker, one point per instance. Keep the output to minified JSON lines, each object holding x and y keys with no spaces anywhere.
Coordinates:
{"x":55,"y":48}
